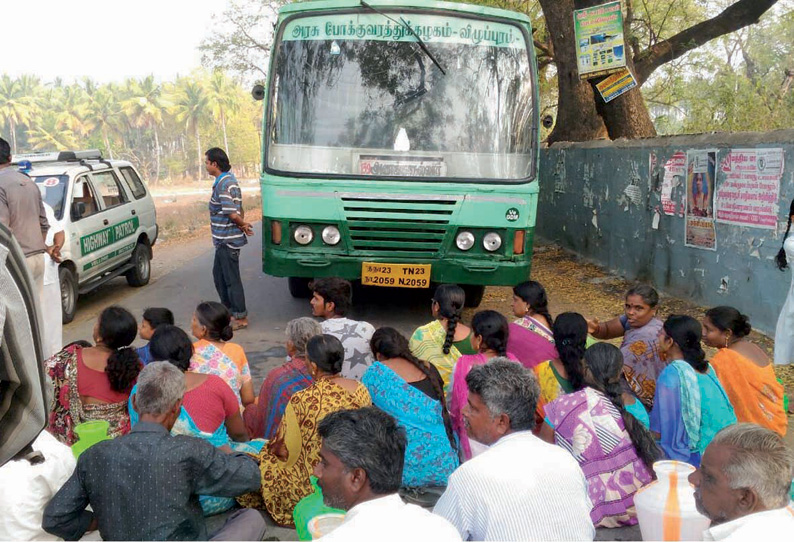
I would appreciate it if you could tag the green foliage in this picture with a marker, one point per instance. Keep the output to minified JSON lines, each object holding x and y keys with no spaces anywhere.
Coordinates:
{"x":163,"y":128}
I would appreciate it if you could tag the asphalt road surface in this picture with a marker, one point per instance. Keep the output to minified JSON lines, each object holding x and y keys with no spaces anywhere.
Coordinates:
{"x":268,"y":300}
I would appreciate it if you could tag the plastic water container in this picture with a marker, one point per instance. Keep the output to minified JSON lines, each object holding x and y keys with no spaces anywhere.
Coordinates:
{"x":666,"y":508}
{"x":321,"y":525}
{"x":310,"y":507}
{"x":89,"y":433}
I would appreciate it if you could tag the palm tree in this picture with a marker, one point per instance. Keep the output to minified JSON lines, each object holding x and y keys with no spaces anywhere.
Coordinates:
{"x":16,"y":105}
{"x":48,"y":133}
{"x":145,"y":108}
{"x":73,"y":111}
{"x":190,"y":102}
{"x":105,"y":111}
{"x":223,"y":95}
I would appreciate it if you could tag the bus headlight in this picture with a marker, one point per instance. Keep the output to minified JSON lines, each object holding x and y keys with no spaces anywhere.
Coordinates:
{"x":492,"y":241}
{"x":331,"y":235}
{"x":303,"y":235}
{"x":464,"y":240}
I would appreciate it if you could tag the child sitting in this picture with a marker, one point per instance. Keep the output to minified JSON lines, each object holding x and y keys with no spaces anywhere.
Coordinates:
{"x":153,"y":317}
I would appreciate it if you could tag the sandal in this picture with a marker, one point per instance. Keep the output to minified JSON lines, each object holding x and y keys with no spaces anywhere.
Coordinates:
{"x":237,"y":326}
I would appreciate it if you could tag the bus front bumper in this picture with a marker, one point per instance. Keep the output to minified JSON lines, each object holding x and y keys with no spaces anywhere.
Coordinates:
{"x":282,"y":263}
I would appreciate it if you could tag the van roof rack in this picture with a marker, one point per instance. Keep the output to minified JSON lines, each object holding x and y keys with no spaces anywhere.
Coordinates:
{"x":62,"y":156}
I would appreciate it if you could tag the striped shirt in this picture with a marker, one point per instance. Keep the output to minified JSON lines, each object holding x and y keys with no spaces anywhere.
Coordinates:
{"x":226,"y":199}
{"x":521,"y":488}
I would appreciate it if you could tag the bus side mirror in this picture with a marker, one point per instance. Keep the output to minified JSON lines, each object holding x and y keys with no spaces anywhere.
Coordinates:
{"x":258,"y":92}
{"x":548,"y":121}
{"x":78,"y":210}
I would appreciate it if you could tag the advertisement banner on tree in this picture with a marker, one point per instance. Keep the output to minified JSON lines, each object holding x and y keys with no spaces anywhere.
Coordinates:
{"x":748,"y":196}
{"x":700,"y":230}
{"x":600,"y":48}
{"x":673,"y":185}
{"x":616,"y":85}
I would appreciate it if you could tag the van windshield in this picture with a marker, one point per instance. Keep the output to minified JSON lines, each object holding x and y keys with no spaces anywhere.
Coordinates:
{"x":356,"y":95}
{"x":53,"y":191}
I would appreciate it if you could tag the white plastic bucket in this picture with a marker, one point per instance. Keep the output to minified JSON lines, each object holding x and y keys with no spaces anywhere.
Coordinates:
{"x":666,"y":508}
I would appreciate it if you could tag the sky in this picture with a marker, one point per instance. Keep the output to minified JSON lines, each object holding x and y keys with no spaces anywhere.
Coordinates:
{"x":107,"y":40}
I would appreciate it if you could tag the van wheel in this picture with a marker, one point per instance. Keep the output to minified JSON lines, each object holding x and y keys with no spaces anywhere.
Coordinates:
{"x":68,"y":293}
{"x":142,"y":268}
{"x":474,"y":294}
{"x":299,"y":287}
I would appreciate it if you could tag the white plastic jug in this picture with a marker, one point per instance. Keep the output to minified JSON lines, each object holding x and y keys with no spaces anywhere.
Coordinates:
{"x":666,"y":508}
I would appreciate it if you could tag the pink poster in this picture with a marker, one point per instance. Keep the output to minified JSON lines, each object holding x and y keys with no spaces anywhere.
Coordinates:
{"x":749,"y":194}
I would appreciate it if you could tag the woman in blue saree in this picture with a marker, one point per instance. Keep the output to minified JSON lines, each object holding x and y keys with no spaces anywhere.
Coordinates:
{"x":210,"y":409}
{"x":412,"y":391}
{"x":690,"y":405}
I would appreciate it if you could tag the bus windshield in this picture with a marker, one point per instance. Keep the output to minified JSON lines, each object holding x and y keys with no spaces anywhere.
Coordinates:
{"x":355,"y":95}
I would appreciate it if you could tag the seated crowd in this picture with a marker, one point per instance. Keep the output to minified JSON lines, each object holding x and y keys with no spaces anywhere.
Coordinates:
{"x":475,"y":431}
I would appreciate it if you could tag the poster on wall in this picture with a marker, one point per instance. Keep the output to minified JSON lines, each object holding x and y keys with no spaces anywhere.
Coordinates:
{"x":701,"y":170}
{"x":599,"y":40}
{"x":748,"y":196}
{"x":673,"y":201}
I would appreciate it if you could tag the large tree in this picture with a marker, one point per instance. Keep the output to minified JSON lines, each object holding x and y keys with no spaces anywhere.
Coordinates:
{"x":581,"y":113}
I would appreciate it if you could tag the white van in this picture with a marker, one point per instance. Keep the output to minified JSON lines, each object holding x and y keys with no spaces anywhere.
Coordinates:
{"x":108,"y":216}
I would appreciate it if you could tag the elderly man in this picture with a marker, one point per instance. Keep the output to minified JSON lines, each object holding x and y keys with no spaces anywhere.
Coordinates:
{"x":521,"y":488}
{"x":742,"y":485}
{"x":360,"y":470}
{"x":145,"y":485}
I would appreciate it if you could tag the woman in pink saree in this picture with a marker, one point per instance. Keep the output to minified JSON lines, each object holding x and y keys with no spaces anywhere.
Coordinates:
{"x":489,"y":338}
{"x":531,"y":339}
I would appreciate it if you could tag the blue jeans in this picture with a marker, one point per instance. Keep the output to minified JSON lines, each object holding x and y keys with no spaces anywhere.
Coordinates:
{"x":226,"y":273}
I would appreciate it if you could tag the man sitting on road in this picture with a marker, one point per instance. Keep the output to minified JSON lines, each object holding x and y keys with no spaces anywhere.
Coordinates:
{"x":360,"y":471}
{"x":332,"y":299}
{"x":145,"y":485}
{"x":743,"y":484}
{"x":521,"y":488}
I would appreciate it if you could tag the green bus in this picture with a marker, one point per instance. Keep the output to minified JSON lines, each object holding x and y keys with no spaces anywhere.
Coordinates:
{"x":400,"y":145}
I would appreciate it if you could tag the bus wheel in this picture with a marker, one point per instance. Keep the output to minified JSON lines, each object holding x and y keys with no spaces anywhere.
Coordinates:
{"x":474,"y":294}
{"x":299,"y":287}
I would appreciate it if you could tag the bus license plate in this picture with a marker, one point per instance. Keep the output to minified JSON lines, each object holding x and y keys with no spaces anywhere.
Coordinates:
{"x":396,"y":275}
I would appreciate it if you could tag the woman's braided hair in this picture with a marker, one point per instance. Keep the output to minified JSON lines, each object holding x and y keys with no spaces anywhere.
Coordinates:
{"x":450,"y":299}
{"x":570,"y":338}
{"x":605,"y":362}
{"x":687,"y":333}
{"x":780,"y":259}
{"x":391,"y":344}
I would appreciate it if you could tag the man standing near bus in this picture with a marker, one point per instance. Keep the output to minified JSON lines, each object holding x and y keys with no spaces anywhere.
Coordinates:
{"x":229,"y":231}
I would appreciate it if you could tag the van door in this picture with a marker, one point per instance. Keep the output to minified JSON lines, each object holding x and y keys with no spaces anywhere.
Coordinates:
{"x":88,"y":234}
{"x":117,"y":212}
{"x":142,"y":202}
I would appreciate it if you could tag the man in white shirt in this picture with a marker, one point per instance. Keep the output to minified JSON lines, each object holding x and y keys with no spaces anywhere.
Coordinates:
{"x":52,"y":316}
{"x":521,"y":488}
{"x":360,"y":471}
{"x":332,"y":298}
{"x":743,"y":484}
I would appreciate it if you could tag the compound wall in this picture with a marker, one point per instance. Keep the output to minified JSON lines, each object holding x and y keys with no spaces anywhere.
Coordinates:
{"x":602,"y":200}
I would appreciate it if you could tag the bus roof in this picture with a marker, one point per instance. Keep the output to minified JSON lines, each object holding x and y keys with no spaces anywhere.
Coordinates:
{"x":299,"y":7}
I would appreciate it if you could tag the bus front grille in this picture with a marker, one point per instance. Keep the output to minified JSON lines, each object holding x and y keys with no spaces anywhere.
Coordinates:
{"x":398,"y":225}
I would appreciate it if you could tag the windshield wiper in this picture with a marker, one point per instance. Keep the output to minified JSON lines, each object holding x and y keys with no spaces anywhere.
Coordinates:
{"x":405,"y":24}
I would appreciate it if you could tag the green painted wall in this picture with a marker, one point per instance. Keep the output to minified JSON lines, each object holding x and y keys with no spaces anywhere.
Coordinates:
{"x":599,"y":199}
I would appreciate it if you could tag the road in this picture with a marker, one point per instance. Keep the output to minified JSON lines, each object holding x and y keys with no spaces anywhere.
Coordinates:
{"x":181,"y":286}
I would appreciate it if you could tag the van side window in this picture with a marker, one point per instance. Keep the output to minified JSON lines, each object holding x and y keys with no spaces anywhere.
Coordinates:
{"x":134,"y":182}
{"x":83,"y":193}
{"x":109,"y":189}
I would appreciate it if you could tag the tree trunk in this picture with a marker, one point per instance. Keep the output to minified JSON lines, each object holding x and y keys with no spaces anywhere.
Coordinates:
{"x":107,"y":142}
{"x":198,"y":149}
{"x":156,"y":155}
{"x":225,"y":140}
{"x":13,"y":126}
{"x":577,"y":117}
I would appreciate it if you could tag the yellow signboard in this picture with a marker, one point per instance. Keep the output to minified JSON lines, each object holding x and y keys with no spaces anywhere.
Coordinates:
{"x":616,"y":84}
{"x":395,"y":275}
